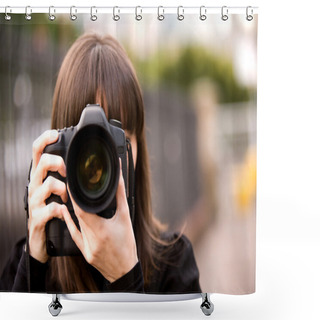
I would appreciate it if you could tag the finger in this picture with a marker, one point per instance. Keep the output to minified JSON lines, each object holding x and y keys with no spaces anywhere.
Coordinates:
{"x":50,"y":186}
{"x":74,"y":231}
{"x":41,"y":216}
{"x":48,"y":137}
{"x":85,"y":219}
{"x":48,"y":162}
{"x":122,"y":203}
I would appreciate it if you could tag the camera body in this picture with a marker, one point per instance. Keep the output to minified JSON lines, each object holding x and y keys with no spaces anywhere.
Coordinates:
{"x":91,"y":151}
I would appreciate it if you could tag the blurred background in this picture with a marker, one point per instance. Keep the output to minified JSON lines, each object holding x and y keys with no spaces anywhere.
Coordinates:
{"x":199,"y":85}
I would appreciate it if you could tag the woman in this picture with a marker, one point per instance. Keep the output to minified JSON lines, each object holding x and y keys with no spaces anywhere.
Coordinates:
{"x":116,"y":254}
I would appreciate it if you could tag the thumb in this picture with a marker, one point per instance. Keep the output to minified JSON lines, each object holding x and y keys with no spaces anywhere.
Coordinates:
{"x":121,"y":197}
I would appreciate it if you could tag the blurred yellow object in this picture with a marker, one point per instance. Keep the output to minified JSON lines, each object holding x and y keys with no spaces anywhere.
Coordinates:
{"x":245,"y":182}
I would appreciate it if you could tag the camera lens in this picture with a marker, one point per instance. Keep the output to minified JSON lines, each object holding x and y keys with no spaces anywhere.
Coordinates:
{"x":93,"y":168}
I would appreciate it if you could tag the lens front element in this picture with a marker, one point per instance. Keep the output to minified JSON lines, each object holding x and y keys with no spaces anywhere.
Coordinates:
{"x":93,"y":168}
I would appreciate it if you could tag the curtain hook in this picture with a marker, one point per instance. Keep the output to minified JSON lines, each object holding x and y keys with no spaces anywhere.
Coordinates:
{"x":28,"y":15}
{"x":116,"y":17}
{"x":160,"y":16}
{"x":138,"y":16}
{"x":52,"y":16}
{"x":73,"y":17}
{"x":249,"y":16}
{"x":224,"y":13}
{"x":93,"y":17}
{"x":203,"y":13}
{"x":6,"y":15}
{"x":180,"y":13}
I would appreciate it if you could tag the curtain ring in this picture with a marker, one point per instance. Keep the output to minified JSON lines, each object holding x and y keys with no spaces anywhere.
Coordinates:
{"x":160,"y":16}
{"x":203,"y":13}
{"x":6,"y":15}
{"x":28,"y":15}
{"x":73,"y":17}
{"x":52,"y":16}
{"x":224,"y":13}
{"x":180,"y":13}
{"x":116,"y":17}
{"x":138,"y":16}
{"x":93,"y":17}
{"x":249,"y":16}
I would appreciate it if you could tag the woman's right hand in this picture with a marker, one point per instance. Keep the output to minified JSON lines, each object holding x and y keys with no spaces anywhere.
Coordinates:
{"x":40,"y":188}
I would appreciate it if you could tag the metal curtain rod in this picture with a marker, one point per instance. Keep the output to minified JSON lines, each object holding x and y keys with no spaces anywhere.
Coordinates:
{"x":116,"y":11}
{"x":126,"y":9}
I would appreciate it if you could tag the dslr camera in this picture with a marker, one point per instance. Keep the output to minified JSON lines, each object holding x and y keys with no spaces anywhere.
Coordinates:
{"x":91,"y":151}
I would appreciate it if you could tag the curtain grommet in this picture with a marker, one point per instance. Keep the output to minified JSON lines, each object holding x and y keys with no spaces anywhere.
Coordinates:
{"x":180,"y":13}
{"x":160,"y":16}
{"x":73,"y":16}
{"x":28,"y":13}
{"x":7,"y":17}
{"x":93,"y":17}
{"x":224,"y":13}
{"x":249,"y":16}
{"x":203,"y":13}
{"x":116,"y":17}
{"x":138,"y":16}
{"x":52,"y":17}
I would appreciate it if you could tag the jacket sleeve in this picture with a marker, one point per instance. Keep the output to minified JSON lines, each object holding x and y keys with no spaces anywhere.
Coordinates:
{"x":130,"y":282}
{"x":180,"y":273}
{"x":15,"y":274}
{"x":10,"y":270}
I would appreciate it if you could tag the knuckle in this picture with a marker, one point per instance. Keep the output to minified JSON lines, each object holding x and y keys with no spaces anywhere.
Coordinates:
{"x":53,"y":208}
{"x":94,"y":252}
{"x":61,"y":164}
{"x":90,"y":257}
{"x":35,"y":146}
{"x":33,"y":201}
{"x":35,"y":221}
{"x":60,"y":161}
{"x":46,"y":133}
{"x":42,"y":162}
{"x":31,"y":204}
{"x":45,"y":158}
{"x":38,"y":143}
{"x":48,"y":182}
{"x":30,"y":189}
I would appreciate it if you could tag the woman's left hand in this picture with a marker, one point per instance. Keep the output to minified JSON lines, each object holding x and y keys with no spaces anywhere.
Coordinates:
{"x":107,"y":244}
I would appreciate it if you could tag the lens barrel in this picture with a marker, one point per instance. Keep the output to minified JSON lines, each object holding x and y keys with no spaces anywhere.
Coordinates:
{"x":92,"y":168}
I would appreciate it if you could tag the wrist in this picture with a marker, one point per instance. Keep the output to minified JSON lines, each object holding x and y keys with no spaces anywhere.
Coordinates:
{"x":130,"y":282}
{"x":120,"y":270}
{"x":39,"y":256}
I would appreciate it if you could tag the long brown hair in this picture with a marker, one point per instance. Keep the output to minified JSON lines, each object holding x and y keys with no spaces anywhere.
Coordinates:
{"x":96,"y":68}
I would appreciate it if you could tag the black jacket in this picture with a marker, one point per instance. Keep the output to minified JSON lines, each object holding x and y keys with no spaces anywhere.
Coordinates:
{"x":178,"y":275}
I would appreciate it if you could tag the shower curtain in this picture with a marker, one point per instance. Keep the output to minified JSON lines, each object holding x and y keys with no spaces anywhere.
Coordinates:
{"x":198,"y":77}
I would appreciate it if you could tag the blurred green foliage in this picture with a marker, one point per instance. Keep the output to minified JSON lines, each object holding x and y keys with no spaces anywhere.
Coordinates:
{"x":182,"y":68}
{"x":56,"y":29}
